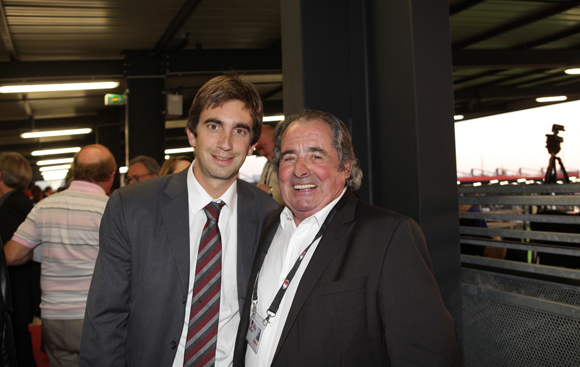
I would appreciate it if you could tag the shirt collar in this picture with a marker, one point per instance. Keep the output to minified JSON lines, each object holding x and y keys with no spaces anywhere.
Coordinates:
{"x":319,"y":217}
{"x":199,"y":198}
{"x":86,"y":186}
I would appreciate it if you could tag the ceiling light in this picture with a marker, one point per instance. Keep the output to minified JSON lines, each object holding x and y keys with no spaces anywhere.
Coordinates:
{"x":273,"y":118}
{"x":178,"y":150}
{"x":572,"y":71}
{"x":44,"y":134}
{"x":54,"y":168}
{"x":551,"y":99}
{"x":458,"y":117}
{"x":57,"y":87}
{"x":494,"y":181}
{"x":477,"y":184}
{"x":55,"y":151}
{"x":123,"y":169}
{"x":55,"y":175}
{"x":54,"y":161}
{"x":521,"y":180}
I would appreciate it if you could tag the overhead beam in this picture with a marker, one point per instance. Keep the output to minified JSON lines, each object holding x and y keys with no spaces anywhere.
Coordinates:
{"x":510,"y":59}
{"x":546,"y":13}
{"x":6,"y":36}
{"x":514,"y":93}
{"x":180,"y":18}
{"x":194,"y":61}
{"x":466,"y":4}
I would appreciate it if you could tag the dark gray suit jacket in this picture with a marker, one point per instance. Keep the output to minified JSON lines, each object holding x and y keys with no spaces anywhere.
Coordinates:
{"x":367,"y":298}
{"x":135,"y":308}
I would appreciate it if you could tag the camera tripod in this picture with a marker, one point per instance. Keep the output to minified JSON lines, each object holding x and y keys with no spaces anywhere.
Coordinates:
{"x":553,"y":144}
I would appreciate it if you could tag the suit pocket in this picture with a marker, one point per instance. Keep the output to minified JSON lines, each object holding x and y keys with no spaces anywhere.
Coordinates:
{"x":343,"y":286}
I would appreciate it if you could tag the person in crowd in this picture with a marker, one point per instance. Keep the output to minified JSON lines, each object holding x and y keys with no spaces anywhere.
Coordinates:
{"x":141,"y":168}
{"x":47,"y":191}
{"x":337,"y":281}
{"x":36,"y":194}
{"x":485,"y":251}
{"x":174,"y":165}
{"x":7,"y":345}
{"x":15,"y":175}
{"x":269,"y":180}
{"x":176,"y":251}
{"x":67,"y":227}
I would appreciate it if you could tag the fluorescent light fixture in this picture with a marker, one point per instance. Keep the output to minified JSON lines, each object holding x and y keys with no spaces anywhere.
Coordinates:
{"x":458,"y":117}
{"x":273,"y":118}
{"x":178,"y":150}
{"x":494,"y":181}
{"x":55,"y":175}
{"x":551,"y":99}
{"x":57,"y":87}
{"x":55,"y":151}
{"x":459,"y":182}
{"x":123,"y":169}
{"x":573,"y":179}
{"x":529,"y":182}
{"x":54,"y":161}
{"x":54,"y":168}
{"x":521,"y":180}
{"x":572,"y":71}
{"x":477,"y":184}
{"x":504,"y":183}
{"x":559,"y":182}
{"x":44,"y":134}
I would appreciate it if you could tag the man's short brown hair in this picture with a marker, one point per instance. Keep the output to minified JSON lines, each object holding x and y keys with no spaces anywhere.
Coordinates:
{"x":16,"y":171}
{"x":224,"y":88}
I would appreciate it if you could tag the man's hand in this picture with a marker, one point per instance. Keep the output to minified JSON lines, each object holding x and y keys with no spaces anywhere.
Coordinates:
{"x":16,"y":253}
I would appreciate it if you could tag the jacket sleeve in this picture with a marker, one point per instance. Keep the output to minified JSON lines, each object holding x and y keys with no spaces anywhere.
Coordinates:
{"x":419,"y":331}
{"x":105,"y":326}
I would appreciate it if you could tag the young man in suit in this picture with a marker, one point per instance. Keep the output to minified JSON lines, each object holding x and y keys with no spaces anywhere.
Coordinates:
{"x":336,"y":281}
{"x":176,"y":251}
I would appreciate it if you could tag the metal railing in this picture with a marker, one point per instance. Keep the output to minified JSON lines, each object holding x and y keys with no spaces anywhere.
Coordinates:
{"x":518,"y":313}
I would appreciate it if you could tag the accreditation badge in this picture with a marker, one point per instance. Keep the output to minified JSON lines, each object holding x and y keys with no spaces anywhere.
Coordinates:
{"x":255,"y":331}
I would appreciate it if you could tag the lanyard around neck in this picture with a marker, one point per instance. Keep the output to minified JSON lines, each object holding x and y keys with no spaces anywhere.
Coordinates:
{"x":273,"y":309}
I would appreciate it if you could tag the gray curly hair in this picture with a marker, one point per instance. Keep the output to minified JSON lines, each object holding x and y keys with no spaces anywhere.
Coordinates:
{"x":340,"y":140}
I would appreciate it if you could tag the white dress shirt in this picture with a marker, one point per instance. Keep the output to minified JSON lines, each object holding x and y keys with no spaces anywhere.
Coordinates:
{"x":288,"y":243}
{"x":229,"y":315}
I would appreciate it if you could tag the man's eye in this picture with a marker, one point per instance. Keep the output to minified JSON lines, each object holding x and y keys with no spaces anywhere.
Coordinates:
{"x":241,"y":131}
{"x":212,"y":126}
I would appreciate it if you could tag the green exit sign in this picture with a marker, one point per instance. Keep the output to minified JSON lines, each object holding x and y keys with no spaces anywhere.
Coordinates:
{"x":114,"y":99}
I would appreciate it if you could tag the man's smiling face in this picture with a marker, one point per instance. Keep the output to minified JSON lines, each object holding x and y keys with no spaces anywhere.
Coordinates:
{"x":222,"y":144}
{"x":309,"y":172}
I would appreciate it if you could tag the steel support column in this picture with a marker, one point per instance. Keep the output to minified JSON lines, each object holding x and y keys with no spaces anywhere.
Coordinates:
{"x":145,"y":122}
{"x":384,"y":68}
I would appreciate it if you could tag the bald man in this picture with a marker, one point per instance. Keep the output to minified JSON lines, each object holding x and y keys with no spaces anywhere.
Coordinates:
{"x":269,"y":180}
{"x":67,"y":226}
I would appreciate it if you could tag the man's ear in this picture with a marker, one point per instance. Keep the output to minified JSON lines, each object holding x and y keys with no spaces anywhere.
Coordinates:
{"x":191,"y":137}
{"x":251,"y":149}
{"x":347,"y":169}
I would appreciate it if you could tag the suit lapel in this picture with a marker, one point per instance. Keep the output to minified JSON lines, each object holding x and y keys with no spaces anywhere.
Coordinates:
{"x":175,"y":214}
{"x":246,"y":237}
{"x":333,"y":238}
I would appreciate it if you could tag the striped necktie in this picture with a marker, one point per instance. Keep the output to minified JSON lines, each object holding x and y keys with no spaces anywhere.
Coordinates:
{"x":202,"y":332}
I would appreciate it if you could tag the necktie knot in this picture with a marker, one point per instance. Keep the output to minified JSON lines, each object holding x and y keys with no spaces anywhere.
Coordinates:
{"x":213,"y":209}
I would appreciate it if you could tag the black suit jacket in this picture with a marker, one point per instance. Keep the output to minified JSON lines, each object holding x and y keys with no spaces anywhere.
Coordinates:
{"x":24,"y":279}
{"x":367,"y":297}
{"x":135,"y":308}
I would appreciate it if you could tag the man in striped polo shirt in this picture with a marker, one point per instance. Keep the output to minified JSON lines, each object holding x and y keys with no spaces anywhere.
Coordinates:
{"x":67,"y":226}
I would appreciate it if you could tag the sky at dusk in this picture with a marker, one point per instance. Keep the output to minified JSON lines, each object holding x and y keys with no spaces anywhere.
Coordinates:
{"x":518,"y":140}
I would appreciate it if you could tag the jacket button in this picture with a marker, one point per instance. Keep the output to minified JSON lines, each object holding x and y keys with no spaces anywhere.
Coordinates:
{"x":173,"y":345}
{"x":184,"y":300}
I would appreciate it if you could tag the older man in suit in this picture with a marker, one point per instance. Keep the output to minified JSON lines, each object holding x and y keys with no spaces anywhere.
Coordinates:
{"x":336,"y":281}
{"x":177,"y":251}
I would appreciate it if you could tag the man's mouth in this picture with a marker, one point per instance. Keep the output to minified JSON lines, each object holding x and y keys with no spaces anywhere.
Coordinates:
{"x":304,"y":187}
{"x":221,"y":158}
